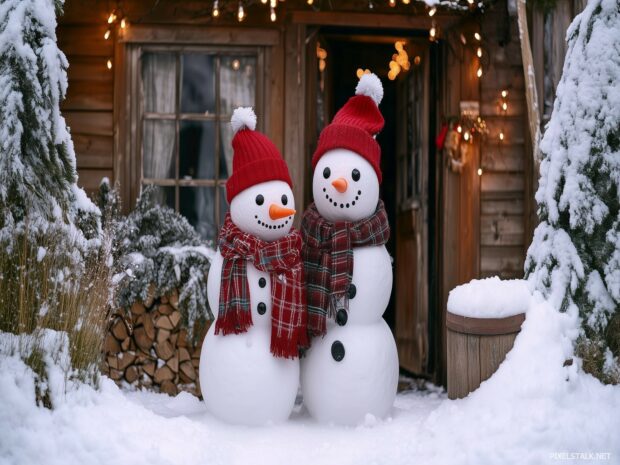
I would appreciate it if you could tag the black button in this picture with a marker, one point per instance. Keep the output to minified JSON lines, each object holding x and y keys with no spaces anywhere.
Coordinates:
{"x":342,"y":317}
{"x":352,"y":291}
{"x":262,"y":308}
{"x":337,"y":351}
{"x":262,"y":282}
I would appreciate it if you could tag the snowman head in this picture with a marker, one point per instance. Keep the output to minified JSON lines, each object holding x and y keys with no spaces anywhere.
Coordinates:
{"x":345,"y":186}
{"x":347,"y":170}
{"x":260,"y":189}
{"x":264,"y":210}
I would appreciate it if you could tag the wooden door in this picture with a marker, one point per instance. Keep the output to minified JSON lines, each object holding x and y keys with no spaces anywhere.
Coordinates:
{"x":412,"y":213}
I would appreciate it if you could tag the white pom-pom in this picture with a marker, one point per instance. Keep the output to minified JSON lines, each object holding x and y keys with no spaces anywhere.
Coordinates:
{"x":243,"y":117}
{"x":371,"y":86}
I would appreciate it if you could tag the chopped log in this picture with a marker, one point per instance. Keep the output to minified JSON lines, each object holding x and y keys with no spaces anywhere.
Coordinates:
{"x":163,"y":322}
{"x":182,"y":338}
{"x":131,"y":374}
{"x":150,"y":296}
{"x":173,"y":298}
{"x":163,"y":299}
{"x":175,"y":318}
{"x":112,"y":362}
{"x":169,"y":388}
{"x":138,"y":308}
{"x":111,"y":344}
{"x":119,"y":329}
{"x":149,"y":367}
{"x":126,"y":343}
{"x":162,"y":335}
{"x":173,"y":338}
{"x":196,"y":363}
{"x":142,"y":356}
{"x":183,"y":354}
{"x":125,"y":359}
{"x":149,"y":327}
{"x":137,"y":320}
{"x":143,"y":341}
{"x":165,"y":309}
{"x":173,"y":363}
{"x":187,"y":373}
{"x":164,"y":350}
{"x":115,"y":374}
{"x":162,"y":374}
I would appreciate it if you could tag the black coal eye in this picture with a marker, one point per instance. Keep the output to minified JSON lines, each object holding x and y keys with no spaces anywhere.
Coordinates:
{"x":327,"y":173}
{"x":355,"y":174}
{"x":284,"y":200}
{"x":260,"y":199}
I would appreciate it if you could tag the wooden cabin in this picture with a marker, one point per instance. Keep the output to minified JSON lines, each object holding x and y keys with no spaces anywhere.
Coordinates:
{"x":152,"y":84}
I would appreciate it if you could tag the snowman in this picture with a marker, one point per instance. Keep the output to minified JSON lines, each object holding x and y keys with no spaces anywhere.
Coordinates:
{"x":351,"y":370}
{"x":249,"y":370}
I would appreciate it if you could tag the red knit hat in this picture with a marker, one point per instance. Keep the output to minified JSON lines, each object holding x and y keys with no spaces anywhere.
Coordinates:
{"x":356,"y":125}
{"x":255,"y":159}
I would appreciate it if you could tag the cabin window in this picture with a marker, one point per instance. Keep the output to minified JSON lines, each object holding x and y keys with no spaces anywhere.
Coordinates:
{"x":187,"y":97}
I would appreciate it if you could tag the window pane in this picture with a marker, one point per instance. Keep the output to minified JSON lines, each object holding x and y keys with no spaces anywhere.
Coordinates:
{"x":197,"y":150}
{"x":198,"y":83}
{"x":158,"y":149}
{"x":197,"y":204}
{"x":159,"y":82}
{"x":223,"y":204}
{"x":237,"y":83}
{"x":164,"y":196}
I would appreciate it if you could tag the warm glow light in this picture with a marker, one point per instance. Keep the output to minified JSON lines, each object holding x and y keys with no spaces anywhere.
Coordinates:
{"x":479,"y":72}
{"x":310,"y":2}
{"x":273,"y":3}
{"x":501,"y":136}
{"x":477,"y":36}
{"x":272,"y":16}
{"x":216,"y":9}
{"x":471,"y":2}
{"x":504,"y":93}
{"x":417,"y":60}
{"x":263,"y":1}
{"x":479,"y":171}
{"x":109,"y":64}
{"x":504,"y":106}
{"x":123,"y":23}
{"x":392,"y":3}
{"x":106,"y":36}
{"x":463,"y":39}
{"x":432,"y":12}
{"x":236,"y":64}
{"x":111,"y":18}
{"x":479,"y":52}
{"x":240,"y":13}
{"x":406,"y":2}
{"x":432,"y":33}
{"x":466,"y":136}
{"x":459,"y":129}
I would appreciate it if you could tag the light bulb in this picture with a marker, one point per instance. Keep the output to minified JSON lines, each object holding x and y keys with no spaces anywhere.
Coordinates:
{"x":310,"y":2}
{"x":272,"y":15}
{"x":477,"y":36}
{"x":109,"y":64}
{"x":111,"y":18}
{"x":471,"y":2}
{"x":432,"y":33}
{"x":392,"y":3}
{"x":466,"y":136}
{"x":479,"y":52}
{"x":479,"y":72}
{"x":273,"y":3}
{"x":432,"y":12}
{"x":479,"y":171}
{"x":504,"y":106}
{"x":263,"y":1}
{"x":406,"y":2}
{"x":504,"y":93}
{"x":501,"y":135}
{"x":216,"y":9}
{"x":106,"y":36}
{"x":240,"y":13}
{"x":123,"y":23}
{"x":459,"y":129}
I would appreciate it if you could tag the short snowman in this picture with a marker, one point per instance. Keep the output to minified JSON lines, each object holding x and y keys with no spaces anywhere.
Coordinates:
{"x":249,"y":366}
{"x":351,"y":370}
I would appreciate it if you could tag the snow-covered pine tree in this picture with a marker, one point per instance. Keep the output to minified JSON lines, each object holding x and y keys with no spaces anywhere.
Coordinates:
{"x":38,"y":175}
{"x":574,"y":259}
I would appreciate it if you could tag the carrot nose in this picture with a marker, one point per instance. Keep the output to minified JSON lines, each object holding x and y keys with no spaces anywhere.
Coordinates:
{"x":276,"y":212}
{"x":340,"y":184}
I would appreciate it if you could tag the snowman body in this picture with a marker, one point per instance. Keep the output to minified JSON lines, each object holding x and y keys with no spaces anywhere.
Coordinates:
{"x":353,"y":370}
{"x":240,"y":379}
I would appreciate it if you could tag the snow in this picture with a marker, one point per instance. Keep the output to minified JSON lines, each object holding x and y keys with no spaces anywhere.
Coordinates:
{"x":490,"y":298}
{"x":533,"y":410}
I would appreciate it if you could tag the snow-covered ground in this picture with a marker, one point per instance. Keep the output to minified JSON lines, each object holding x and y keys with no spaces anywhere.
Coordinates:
{"x":533,"y":410}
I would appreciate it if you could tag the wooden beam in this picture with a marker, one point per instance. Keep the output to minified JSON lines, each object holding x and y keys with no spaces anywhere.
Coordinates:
{"x":202,"y":35}
{"x":378,"y":20}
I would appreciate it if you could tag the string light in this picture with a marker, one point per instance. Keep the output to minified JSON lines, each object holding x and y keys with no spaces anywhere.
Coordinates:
{"x":504,"y":106}
{"x":264,"y":2}
{"x":406,"y":2}
{"x":459,"y":129}
{"x":240,"y":13}
{"x":310,"y":2}
{"x":466,"y":136}
{"x":216,"y":9}
{"x":123,"y":23}
{"x":504,"y":93}
{"x":111,"y":18}
{"x":392,"y":3}
{"x":501,"y":135}
{"x":479,"y":72}
{"x":471,"y":2}
{"x":109,"y":64}
{"x":272,"y":15}
{"x":107,"y":34}
{"x":432,"y":11}
{"x":477,"y":36}
{"x":479,"y":171}
{"x":273,"y":3}
{"x":479,"y":52}
{"x":432,"y":33}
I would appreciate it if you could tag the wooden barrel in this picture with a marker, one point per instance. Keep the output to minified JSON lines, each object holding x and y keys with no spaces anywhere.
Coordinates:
{"x":476,"y":347}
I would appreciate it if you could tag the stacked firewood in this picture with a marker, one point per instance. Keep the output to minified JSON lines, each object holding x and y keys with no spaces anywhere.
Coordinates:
{"x":147,"y":346}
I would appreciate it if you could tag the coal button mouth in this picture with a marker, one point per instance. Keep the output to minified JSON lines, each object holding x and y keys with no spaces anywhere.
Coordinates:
{"x":337,"y":351}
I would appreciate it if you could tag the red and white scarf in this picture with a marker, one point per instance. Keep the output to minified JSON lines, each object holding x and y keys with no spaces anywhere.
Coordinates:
{"x":282,"y":260}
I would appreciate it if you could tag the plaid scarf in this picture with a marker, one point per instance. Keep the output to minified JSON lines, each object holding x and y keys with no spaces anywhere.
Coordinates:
{"x":328,"y":260}
{"x":282,"y":260}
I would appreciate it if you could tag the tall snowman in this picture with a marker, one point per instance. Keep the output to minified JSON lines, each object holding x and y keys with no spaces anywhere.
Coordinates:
{"x":352,"y":368}
{"x":249,"y":366}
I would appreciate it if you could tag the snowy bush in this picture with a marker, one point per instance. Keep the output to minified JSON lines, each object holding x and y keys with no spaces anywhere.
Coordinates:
{"x":574,"y":259}
{"x":156,"y":252}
